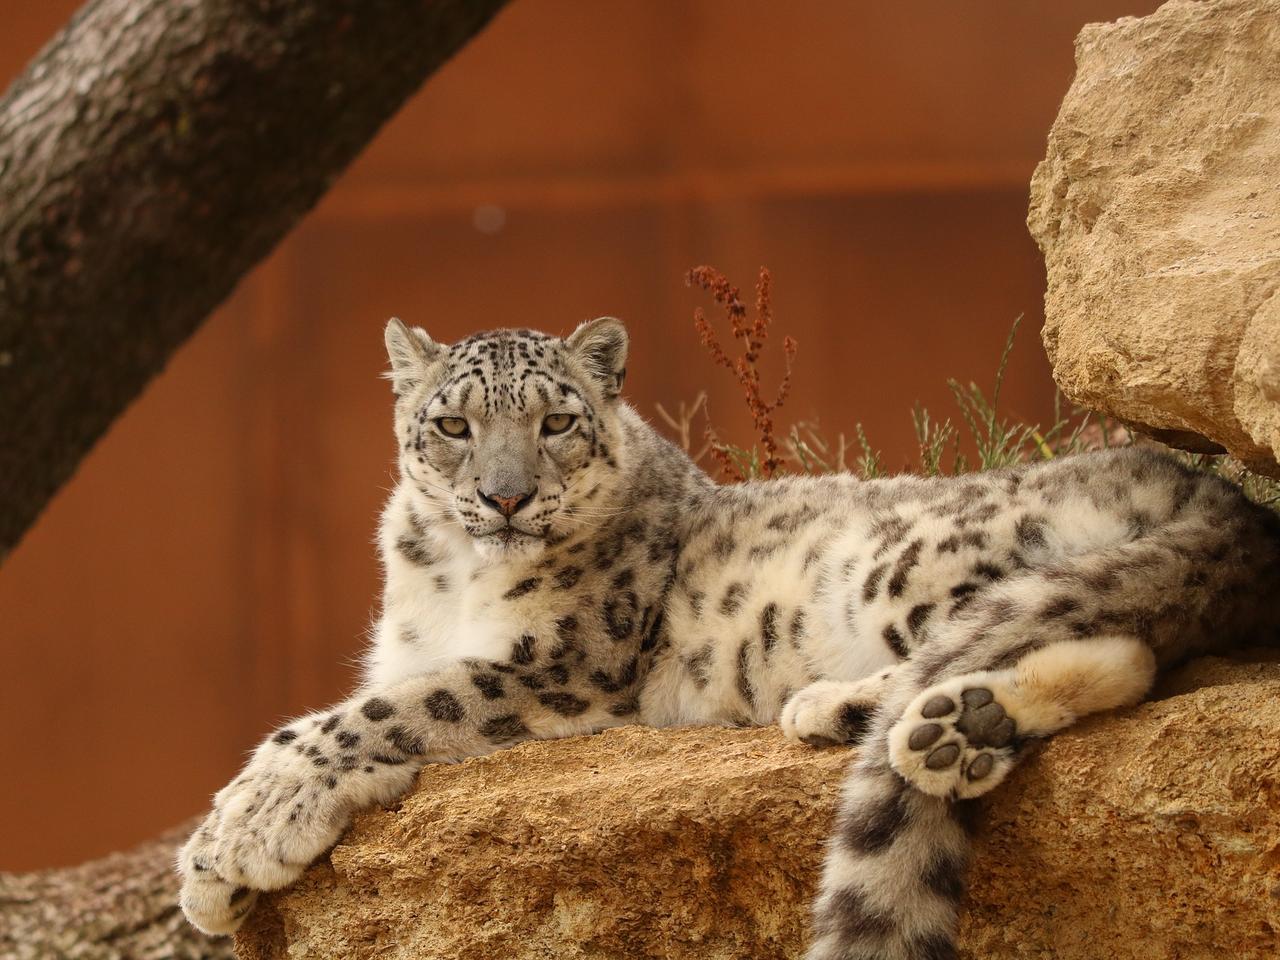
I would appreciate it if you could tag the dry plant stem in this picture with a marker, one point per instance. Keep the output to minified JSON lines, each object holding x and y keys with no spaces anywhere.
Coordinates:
{"x":814,"y":453}
{"x":745,"y":367}
{"x":682,"y":424}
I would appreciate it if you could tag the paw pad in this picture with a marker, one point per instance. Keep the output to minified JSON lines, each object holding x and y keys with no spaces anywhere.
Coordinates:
{"x":981,"y":766}
{"x":943,"y":757}
{"x":983,"y":721}
{"x":955,"y":741}
{"x":939,"y":706}
{"x":925,"y":736}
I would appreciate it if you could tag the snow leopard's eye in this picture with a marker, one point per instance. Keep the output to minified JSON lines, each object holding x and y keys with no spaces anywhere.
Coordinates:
{"x":455,"y":427}
{"x":557,"y":423}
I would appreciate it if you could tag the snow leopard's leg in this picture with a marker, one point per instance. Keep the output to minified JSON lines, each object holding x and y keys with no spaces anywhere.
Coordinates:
{"x":831,"y":712}
{"x":895,"y":868}
{"x":894,"y":873}
{"x":959,"y":738}
{"x":1085,"y":633}
{"x":302,"y":785}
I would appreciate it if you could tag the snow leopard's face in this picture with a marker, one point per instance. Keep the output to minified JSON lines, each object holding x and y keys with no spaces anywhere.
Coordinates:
{"x":512,"y":433}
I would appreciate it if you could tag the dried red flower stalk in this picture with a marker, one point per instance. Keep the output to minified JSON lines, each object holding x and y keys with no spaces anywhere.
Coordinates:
{"x":745,"y":367}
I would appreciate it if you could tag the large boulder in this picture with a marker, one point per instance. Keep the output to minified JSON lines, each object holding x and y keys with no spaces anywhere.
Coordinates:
{"x":1153,"y":833}
{"x":1157,"y":211}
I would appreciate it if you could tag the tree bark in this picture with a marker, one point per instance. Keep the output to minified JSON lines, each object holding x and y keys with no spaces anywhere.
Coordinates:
{"x":122,"y":907}
{"x":152,"y":153}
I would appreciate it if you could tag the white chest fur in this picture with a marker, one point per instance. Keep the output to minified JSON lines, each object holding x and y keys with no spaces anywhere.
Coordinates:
{"x":438,"y":613}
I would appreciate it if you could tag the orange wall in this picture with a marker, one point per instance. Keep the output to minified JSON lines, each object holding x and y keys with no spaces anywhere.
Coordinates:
{"x":210,"y":568}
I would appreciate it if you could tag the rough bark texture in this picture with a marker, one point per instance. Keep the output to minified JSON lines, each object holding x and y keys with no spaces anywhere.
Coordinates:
{"x":149,"y":156}
{"x":1157,"y":211}
{"x":1149,"y":835}
{"x":122,"y":907}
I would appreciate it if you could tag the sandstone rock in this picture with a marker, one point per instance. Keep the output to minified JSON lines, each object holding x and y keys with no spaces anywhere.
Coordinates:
{"x":1157,"y":211}
{"x":1150,"y":834}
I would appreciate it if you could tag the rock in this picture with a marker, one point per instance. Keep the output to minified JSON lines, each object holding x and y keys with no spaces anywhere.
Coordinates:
{"x":698,"y":842}
{"x":1149,"y":834}
{"x":1157,"y":211}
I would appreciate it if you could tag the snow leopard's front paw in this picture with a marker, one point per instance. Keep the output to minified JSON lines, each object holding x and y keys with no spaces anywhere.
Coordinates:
{"x":212,"y":904}
{"x":957,"y":739}
{"x":831,"y":712}
{"x":284,"y":810}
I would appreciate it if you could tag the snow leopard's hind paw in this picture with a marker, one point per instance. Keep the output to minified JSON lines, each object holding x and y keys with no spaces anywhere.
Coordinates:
{"x":957,"y":739}
{"x":832,"y":713}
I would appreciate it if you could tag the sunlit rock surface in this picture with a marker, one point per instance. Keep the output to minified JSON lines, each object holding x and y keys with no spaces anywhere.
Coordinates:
{"x":1152,"y":834}
{"x":1157,"y":211}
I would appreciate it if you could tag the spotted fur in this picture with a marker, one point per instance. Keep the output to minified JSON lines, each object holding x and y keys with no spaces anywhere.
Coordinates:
{"x":554,"y":567}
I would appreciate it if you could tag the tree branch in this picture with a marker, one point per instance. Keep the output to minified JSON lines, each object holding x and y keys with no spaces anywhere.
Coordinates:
{"x":152,"y":153}
{"x":122,"y":907}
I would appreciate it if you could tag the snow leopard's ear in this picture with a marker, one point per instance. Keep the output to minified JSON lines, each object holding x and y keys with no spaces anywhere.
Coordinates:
{"x":600,"y":345}
{"x":411,"y":352}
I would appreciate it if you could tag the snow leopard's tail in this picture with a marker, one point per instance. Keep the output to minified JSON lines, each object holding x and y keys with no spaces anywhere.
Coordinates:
{"x":895,"y":869}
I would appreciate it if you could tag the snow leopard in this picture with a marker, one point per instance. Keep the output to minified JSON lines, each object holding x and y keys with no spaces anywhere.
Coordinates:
{"x":554,"y":567}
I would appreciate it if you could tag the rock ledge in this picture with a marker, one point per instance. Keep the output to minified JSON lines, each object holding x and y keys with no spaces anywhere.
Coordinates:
{"x":1148,"y":835}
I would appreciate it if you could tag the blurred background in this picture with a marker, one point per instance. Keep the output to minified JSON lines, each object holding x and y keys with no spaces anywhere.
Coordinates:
{"x":210,"y":569}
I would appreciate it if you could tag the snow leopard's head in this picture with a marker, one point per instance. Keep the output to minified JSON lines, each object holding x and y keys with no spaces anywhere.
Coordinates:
{"x":512,"y":433}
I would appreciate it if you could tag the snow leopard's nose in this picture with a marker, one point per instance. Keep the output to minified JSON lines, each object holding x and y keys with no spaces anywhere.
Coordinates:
{"x":504,"y":505}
